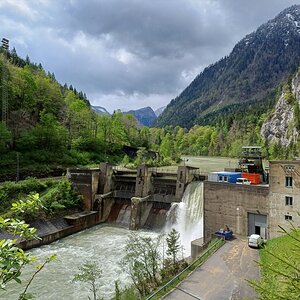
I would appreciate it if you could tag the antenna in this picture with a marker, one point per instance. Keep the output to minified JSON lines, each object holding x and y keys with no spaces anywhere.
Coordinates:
{"x":5,"y":47}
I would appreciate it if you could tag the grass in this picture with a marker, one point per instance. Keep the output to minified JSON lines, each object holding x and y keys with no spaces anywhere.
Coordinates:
{"x":280,"y":268}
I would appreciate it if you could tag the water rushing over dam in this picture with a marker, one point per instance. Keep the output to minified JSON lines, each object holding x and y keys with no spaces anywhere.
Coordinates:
{"x":187,"y":216}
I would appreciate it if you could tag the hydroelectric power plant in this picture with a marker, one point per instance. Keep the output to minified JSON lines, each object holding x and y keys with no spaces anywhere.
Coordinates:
{"x":149,"y":201}
{"x":117,"y":200}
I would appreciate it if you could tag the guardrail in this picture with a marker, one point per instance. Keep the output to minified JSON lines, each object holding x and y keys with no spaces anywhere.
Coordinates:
{"x":209,"y":250}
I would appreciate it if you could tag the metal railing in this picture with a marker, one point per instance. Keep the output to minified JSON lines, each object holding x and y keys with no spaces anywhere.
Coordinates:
{"x":219,"y":242}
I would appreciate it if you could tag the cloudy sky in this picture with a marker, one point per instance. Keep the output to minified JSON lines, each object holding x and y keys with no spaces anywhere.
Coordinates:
{"x":128,"y":54}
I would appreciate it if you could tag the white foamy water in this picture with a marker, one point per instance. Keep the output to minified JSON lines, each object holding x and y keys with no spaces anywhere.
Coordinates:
{"x":187,"y":216}
{"x":102,"y":243}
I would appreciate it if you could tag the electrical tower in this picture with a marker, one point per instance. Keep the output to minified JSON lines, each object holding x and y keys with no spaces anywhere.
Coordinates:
{"x":5,"y":47}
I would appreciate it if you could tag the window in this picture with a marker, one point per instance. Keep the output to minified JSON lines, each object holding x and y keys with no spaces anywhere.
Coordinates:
{"x":288,"y":181}
{"x":288,"y":218}
{"x":288,"y":200}
{"x":225,"y":179}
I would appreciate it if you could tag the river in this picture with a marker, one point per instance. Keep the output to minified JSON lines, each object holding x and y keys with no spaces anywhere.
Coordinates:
{"x":105,"y":244}
{"x":102,"y":243}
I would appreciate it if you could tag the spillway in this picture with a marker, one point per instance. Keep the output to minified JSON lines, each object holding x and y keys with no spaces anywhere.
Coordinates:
{"x":102,"y":243}
{"x":187,"y":216}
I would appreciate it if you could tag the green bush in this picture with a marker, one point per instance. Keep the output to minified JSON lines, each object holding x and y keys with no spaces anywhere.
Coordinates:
{"x":82,"y":158}
{"x":55,"y":196}
{"x":61,"y":196}
{"x":11,"y":191}
{"x":280,"y":267}
{"x":27,"y":209}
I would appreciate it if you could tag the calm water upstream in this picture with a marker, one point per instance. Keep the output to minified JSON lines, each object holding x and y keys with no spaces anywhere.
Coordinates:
{"x":103,"y":243}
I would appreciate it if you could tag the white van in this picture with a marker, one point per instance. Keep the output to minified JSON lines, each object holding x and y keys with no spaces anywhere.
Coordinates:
{"x":255,"y":240}
{"x":243,"y":181}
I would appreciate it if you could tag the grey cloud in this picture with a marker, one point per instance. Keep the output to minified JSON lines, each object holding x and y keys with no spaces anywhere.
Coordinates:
{"x":150,"y":28}
{"x":133,"y":47}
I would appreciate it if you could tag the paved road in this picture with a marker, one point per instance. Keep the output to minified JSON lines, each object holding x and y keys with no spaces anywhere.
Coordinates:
{"x":222,"y":276}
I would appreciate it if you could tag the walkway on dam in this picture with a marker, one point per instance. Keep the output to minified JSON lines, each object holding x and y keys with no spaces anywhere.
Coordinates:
{"x":222,"y":276}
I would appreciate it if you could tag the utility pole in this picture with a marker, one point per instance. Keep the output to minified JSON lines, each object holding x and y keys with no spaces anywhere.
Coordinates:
{"x":18,"y":168}
{"x":5,"y":47}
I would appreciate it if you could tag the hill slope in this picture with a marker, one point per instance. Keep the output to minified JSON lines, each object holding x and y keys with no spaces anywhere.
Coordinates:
{"x":159,"y":110}
{"x":256,"y":66}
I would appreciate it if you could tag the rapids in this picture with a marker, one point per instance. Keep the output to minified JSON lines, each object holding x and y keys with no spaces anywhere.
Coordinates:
{"x":102,"y":243}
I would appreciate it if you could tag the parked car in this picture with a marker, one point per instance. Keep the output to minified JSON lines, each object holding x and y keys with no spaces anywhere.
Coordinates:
{"x":255,"y":240}
{"x":243,"y":181}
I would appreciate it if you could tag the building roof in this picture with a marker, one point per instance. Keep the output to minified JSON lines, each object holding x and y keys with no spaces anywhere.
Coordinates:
{"x":226,"y":173}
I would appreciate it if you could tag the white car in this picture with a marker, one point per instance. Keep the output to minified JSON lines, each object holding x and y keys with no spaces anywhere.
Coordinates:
{"x":255,"y":240}
{"x":243,"y":181}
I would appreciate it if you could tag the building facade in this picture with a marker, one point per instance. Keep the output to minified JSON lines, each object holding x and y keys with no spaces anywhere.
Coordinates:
{"x":284,"y":195}
{"x":259,"y":209}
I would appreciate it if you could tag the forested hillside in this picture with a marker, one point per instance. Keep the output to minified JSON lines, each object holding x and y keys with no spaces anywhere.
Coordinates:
{"x":246,"y":81}
{"x":51,"y":126}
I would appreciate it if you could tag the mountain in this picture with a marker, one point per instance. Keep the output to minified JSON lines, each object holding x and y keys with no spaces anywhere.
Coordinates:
{"x":144,"y":115}
{"x":283,"y":124}
{"x":100,"y":110}
{"x":159,"y":110}
{"x":248,"y":77}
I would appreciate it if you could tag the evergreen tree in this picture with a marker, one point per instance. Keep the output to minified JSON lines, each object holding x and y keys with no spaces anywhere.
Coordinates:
{"x":174,"y":246}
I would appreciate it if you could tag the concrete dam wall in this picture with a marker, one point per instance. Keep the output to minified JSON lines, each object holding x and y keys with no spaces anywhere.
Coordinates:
{"x":134,"y":199}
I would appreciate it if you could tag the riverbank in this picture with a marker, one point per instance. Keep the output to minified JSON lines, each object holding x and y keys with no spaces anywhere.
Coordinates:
{"x":54,"y":229}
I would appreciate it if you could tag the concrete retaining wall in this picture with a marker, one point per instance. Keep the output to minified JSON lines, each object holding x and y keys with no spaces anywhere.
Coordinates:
{"x":50,"y":231}
{"x":229,"y":204}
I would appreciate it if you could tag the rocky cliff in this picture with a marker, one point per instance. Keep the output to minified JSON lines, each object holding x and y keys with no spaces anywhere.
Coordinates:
{"x":280,"y":126}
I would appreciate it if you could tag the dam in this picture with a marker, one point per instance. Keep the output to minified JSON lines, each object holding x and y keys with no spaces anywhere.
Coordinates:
{"x":150,"y":201}
{"x":134,"y":199}
{"x":119,"y":209}
{"x":158,"y":200}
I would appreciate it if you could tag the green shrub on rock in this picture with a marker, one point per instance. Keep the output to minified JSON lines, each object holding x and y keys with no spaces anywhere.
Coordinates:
{"x":61,"y":196}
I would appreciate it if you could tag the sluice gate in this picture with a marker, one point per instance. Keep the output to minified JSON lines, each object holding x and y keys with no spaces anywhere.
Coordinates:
{"x":138,"y":198}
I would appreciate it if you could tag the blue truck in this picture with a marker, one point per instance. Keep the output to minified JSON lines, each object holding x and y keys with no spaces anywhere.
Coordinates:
{"x":227,"y":234}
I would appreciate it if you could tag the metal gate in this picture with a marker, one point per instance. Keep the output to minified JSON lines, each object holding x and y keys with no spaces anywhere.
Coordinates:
{"x":257,"y":224}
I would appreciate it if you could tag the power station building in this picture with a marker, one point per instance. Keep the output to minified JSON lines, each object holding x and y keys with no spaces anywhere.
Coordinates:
{"x":259,"y":209}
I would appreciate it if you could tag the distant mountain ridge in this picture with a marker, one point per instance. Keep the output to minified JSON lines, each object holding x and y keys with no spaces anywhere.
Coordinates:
{"x":100,"y":110}
{"x":257,"y":65}
{"x":159,"y":110}
{"x":144,"y":115}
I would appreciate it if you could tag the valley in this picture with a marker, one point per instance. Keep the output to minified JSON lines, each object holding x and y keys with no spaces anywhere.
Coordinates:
{"x":142,"y":193}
